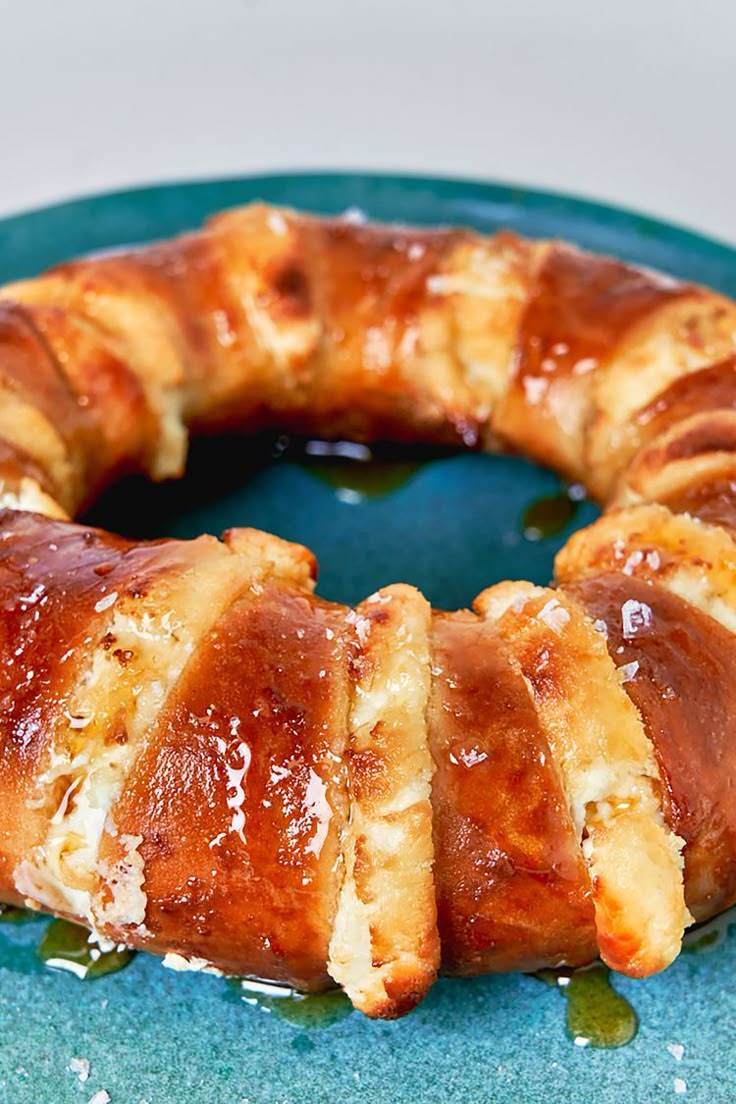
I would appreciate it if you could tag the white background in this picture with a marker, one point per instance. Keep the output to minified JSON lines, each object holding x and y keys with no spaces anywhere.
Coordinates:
{"x":623,"y":100}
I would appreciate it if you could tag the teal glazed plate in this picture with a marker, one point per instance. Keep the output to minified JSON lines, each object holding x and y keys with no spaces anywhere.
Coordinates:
{"x":452,"y":525}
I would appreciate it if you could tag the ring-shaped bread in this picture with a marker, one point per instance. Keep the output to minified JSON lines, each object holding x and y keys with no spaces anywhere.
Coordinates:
{"x":203,"y":759}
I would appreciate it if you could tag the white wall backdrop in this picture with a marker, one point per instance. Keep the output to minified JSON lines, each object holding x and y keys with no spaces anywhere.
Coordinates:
{"x":631,"y":101}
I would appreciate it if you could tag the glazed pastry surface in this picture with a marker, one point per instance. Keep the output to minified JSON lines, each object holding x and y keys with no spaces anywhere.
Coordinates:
{"x":204,"y":759}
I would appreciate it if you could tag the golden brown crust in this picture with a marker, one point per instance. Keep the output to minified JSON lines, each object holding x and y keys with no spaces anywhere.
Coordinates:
{"x":117,"y":418}
{"x":607,"y":771}
{"x":239,"y":798}
{"x":682,"y":676}
{"x":696,"y":329}
{"x":579,"y":311}
{"x":513,"y":891}
{"x":270,"y":317}
{"x":695,"y":560}
{"x":711,"y":496}
{"x":150,"y":605}
{"x":51,"y":569}
{"x":710,"y":388}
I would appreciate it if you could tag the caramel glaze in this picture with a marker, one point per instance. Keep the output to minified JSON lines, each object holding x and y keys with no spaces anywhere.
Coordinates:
{"x":88,"y":397}
{"x":55,"y":585}
{"x":713,"y":501}
{"x":580,"y":309}
{"x":331,"y":284}
{"x":51,"y":577}
{"x":240,"y":794}
{"x":513,"y":892}
{"x":710,"y":388}
{"x":709,"y":432}
{"x":685,"y":690}
{"x":119,"y":424}
{"x":383,"y":287}
{"x":270,"y":319}
{"x":30,"y":374}
{"x":716,"y":435}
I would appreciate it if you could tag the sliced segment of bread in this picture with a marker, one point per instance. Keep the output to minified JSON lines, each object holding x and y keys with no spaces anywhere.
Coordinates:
{"x":608,"y":770}
{"x":385,"y":947}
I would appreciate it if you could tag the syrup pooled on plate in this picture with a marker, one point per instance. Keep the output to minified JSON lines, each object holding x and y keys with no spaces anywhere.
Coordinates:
{"x":12,"y":914}
{"x":73,"y":949}
{"x":354,"y":471}
{"x":310,"y":1010}
{"x":548,"y":516}
{"x":597,"y":1015}
{"x":706,"y":937}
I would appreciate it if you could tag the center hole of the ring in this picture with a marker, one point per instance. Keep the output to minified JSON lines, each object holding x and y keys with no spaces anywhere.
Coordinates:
{"x":450,"y":523}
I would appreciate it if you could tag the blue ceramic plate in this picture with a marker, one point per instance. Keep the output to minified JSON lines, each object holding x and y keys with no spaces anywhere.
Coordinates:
{"x":452,"y":525}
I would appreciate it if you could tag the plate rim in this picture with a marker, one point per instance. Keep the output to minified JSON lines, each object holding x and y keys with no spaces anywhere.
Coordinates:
{"x":489,"y":189}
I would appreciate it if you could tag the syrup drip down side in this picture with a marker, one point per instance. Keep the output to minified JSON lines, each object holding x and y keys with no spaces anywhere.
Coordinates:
{"x":203,"y":759}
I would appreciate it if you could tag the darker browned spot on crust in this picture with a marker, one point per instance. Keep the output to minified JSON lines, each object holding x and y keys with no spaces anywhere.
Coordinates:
{"x":368,"y":773}
{"x":405,"y":988}
{"x":685,"y":689}
{"x":362,"y":867}
{"x":104,"y":568}
{"x":118,"y":733}
{"x":138,"y":588}
{"x":377,"y":614}
{"x":291,"y":286}
{"x":546,"y":668}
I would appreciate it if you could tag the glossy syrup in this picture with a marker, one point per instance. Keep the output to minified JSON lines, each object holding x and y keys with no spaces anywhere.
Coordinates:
{"x":11,"y":914}
{"x":73,"y":949}
{"x":706,"y":937}
{"x":550,"y":515}
{"x":56,"y":945}
{"x":306,"y":1010}
{"x":597,"y":1015}
{"x":355,"y":472}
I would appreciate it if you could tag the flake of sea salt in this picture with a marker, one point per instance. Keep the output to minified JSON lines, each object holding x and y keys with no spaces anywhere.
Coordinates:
{"x":80,"y":1066}
{"x":102,"y":1096}
{"x":105,"y":603}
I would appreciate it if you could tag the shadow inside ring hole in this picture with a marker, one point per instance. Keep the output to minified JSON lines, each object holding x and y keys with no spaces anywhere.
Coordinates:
{"x":450,"y":523}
